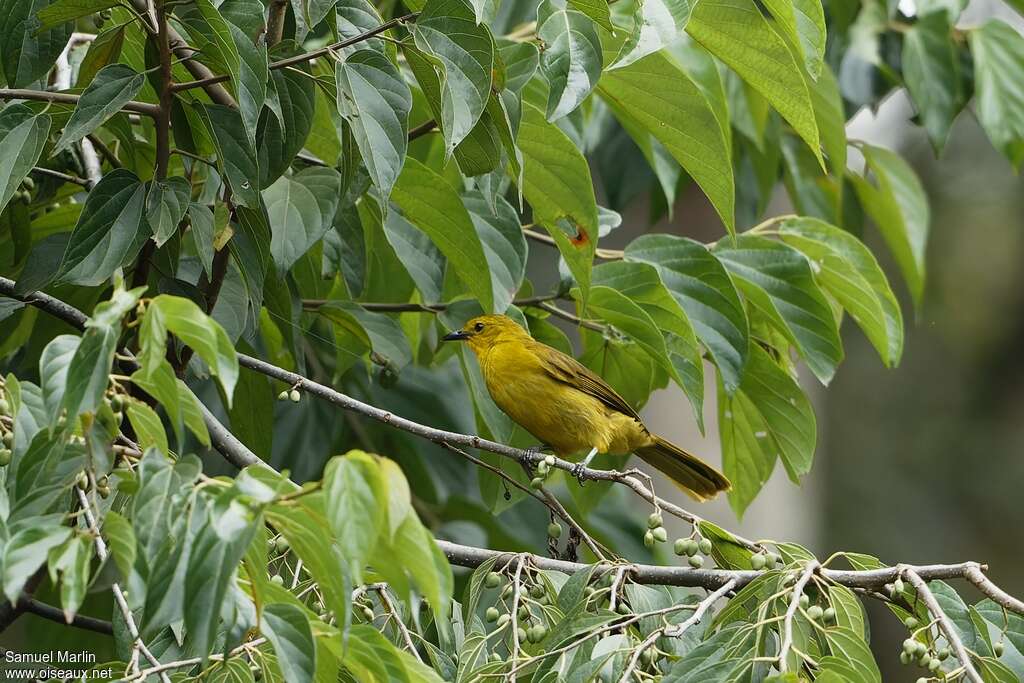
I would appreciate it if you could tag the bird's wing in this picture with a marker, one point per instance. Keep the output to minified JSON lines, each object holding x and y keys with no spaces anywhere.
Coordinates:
{"x":568,"y":370}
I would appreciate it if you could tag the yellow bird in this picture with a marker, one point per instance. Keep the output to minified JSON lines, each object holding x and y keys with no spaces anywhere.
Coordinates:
{"x":569,"y":408}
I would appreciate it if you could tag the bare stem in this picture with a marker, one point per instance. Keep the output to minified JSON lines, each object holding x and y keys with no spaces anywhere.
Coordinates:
{"x":948,"y":629}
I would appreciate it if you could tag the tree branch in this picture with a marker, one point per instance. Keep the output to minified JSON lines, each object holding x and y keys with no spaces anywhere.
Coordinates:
{"x":916,"y":579}
{"x":275,"y":21}
{"x":210,"y":80}
{"x":471,"y":557}
{"x":41,"y":609}
{"x":413,"y":307}
{"x":794,"y":603}
{"x":150,"y":110}
{"x":66,"y":177}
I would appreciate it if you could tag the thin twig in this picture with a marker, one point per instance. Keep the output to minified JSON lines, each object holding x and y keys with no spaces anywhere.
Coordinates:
{"x":150,"y":110}
{"x":415,"y":307}
{"x":305,"y":57}
{"x":399,"y":624}
{"x":945,"y":624}
{"x":794,"y":603}
{"x":676,"y":631}
{"x":66,"y":177}
{"x":516,"y":595}
{"x":604,"y":254}
{"x":122,"y":603}
{"x":55,"y":614}
{"x":974,"y":575}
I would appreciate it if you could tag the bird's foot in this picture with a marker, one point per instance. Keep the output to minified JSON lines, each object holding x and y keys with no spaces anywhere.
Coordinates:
{"x":580,"y":468}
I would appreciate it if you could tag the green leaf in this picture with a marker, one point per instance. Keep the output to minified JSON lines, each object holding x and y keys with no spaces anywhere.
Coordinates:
{"x":25,"y":552}
{"x":432,"y":205}
{"x":521,"y":61}
{"x":736,"y":32}
{"x":250,"y":77}
{"x":704,"y":290}
{"x":998,"y":51}
{"x":357,"y":503}
{"x":415,"y":549}
{"x":26,"y":53}
{"x":53,"y":371}
{"x":252,"y":413}
{"x":447,"y":30}
{"x":121,"y":539}
{"x":22,"y":138}
{"x":657,"y":24}
{"x":849,"y":272}
{"x":628,"y":317}
{"x":571,"y":59}
{"x":778,"y":281}
{"x":768,"y":417}
{"x":287,"y":119}
{"x":63,"y":11}
{"x":374,"y":98}
{"x":504,"y":245}
{"x":300,"y":209}
{"x":105,"y":49}
{"x":423,"y":261}
{"x":659,"y":95}
{"x":110,"y":90}
{"x":166,"y":205}
{"x":852,"y":648}
{"x":236,"y":158}
{"x":288,"y":630}
{"x":557,"y":184}
{"x":109,"y":232}
{"x":642,"y":284}
{"x":210,"y":33}
{"x":186,"y":320}
{"x":148,"y":428}
{"x":71,"y":561}
{"x":803,"y":24}
{"x":201,"y":220}
{"x":931,"y":71}
{"x":898,"y":206}
{"x":234,"y":670}
{"x":89,"y":371}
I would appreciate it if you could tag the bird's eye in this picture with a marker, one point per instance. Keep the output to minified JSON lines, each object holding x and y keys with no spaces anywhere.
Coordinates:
{"x":478,"y":327}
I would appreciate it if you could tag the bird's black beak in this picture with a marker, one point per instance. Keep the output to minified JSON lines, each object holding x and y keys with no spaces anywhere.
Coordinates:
{"x":457,"y":335}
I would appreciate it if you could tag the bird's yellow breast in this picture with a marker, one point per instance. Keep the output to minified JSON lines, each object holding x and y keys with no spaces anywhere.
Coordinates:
{"x":558,"y":414}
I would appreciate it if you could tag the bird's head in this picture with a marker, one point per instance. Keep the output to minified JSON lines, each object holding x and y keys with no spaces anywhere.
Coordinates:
{"x":483,"y":332}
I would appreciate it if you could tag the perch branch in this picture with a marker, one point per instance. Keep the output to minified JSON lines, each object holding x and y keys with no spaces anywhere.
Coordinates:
{"x":916,"y":580}
{"x":794,"y":603}
{"x":150,"y":110}
{"x":41,"y":609}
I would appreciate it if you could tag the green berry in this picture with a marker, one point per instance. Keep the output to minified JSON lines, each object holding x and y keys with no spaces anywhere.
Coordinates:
{"x":910,"y":622}
{"x":622,"y":608}
{"x":118,"y":417}
{"x":705,"y":546}
{"x":679,"y":547}
{"x":281,"y":544}
{"x":691,"y":547}
{"x":829,"y":615}
{"x":920,"y":649}
{"x":283,"y":396}
{"x":998,"y":649}
{"x":549,"y":460}
{"x":542,"y":468}
{"x":921,"y":680}
{"x":29,"y":183}
{"x":5,"y":407}
{"x":495,"y":657}
{"x":504,"y":619}
{"x":934,"y":664}
{"x":923,"y":660}
{"x":944,"y":654}
{"x":277,"y":580}
{"x":536,"y":482}
{"x":890,"y":590}
{"x":897,"y":585}
{"x":910,"y":646}
{"x":83,"y":481}
{"x":540,"y":632}
{"x":696,"y":561}
{"x":9,"y":439}
{"x":524,"y":613}
{"x":493,"y":580}
{"x":294,"y":395}
{"x":771,"y":560}
{"x":659,"y":533}
{"x":649,"y":539}
{"x":647,"y":656}
{"x":491,"y":615}
{"x":521,"y":634}
{"x":506,"y":591}
{"x":904,"y":658}
{"x":554,"y":530}
{"x":815,"y":612}
{"x":654,"y":520}
{"x":758,"y":561}
{"x":805,"y":601}
{"x":104,"y":491}
{"x":5,"y":457}
{"x":117,"y":402}
{"x":536,"y":591}
{"x":368,"y":613}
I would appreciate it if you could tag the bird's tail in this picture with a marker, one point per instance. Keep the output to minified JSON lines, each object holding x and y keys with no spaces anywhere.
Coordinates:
{"x":694,"y":476}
